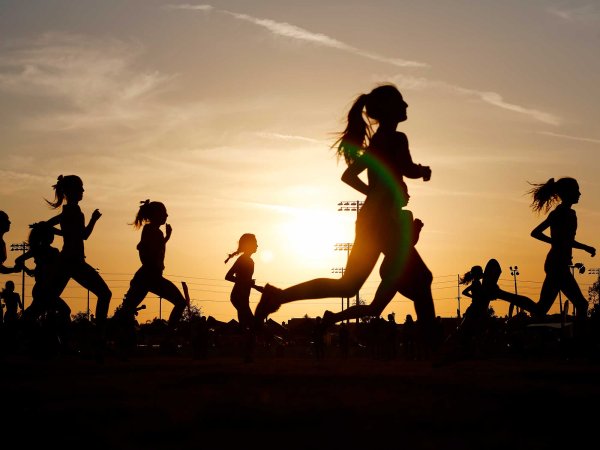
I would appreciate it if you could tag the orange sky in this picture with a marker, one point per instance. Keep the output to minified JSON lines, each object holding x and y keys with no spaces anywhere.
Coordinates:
{"x":226,"y":113}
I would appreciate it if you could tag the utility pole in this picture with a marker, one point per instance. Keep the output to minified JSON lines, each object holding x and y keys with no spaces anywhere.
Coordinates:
{"x":581,"y":269}
{"x":352,"y":205}
{"x":21,"y":247}
{"x":514,"y":271}
{"x":88,"y":300}
{"x":339,"y":270}
{"x":458,"y":295}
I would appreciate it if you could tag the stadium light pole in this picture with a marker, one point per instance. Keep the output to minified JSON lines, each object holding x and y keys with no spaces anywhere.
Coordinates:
{"x":345,"y":246}
{"x":341,"y":271}
{"x":350,"y":205}
{"x":21,"y":247}
{"x":514,"y":271}
{"x":354,"y":206}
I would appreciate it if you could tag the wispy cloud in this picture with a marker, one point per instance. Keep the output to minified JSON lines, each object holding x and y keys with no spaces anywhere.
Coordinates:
{"x":17,"y":180}
{"x":287,"y":137}
{"x":572,"y":138}
{"x":586,"y":12}
{"x":291,"y":31}
{"x":92,"y":79}
{"x":188,"y":7}
{"x":294,"y":32}
{"x":492,"y":98}
{"x":496,"y":99}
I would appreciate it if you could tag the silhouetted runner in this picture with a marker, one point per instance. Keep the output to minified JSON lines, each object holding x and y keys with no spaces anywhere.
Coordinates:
{"x":68,"y":192}
{"x":4,"y":269}
{"x":386,"y":157}
{"x":12,"y":302}
{"x":149,"y":277}
{"x":562,"y":222}
{"x":9,"y":335}
{"x":474,"y":321}
{"x":491,"y":290}
{"x":468,"y":338}
{"x":472,"y":279}
{"x":46,"y":258}
{"x":402,"y":271}
{"x":5,"y":228}
{"x":240,"y":274}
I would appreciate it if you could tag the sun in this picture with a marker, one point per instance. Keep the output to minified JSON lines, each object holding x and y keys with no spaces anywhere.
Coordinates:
{"x":311,"y":234}
{"x":265,"y":256}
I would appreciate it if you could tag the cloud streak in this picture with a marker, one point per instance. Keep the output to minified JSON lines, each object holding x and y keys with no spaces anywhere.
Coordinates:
{"x":572,"y":138}
{"x":188,"y":7}
{"x":291,"y":31}
{"x":583,"y":13}
{"x":92,"y":81}
{"x":492,"y":98}
{"x":287,"y":137}
{"x":294,"y":32}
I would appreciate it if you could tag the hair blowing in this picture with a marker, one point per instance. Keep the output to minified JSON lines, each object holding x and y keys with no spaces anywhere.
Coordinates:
{"x":148,"y":210}
{"x":355,"y":138}
{"x":245,"y":240}
{"x":468,"y":277}
{"x":63,"y":188}
{"x":545,"y":195}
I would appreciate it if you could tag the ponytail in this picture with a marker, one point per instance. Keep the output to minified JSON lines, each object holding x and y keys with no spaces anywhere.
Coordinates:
{"x":142,"y":215}
{"x":466,"y":278}
{"x":59,"y":194}
{"x":231,"y":255}
{"x":355,"y":137}
{"x":377,"y":105}
{"x":63,"y":187}
{"x":544,"y":195}
{"x":471,"y":275}
{"x":245,"y":240}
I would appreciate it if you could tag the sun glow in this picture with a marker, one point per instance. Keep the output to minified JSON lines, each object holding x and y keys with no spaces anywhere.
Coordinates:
{"x":265,"y":256}
{"x":311,"y":235}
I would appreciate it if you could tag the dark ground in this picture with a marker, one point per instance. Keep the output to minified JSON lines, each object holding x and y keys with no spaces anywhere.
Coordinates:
{"x":158,"y":402}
